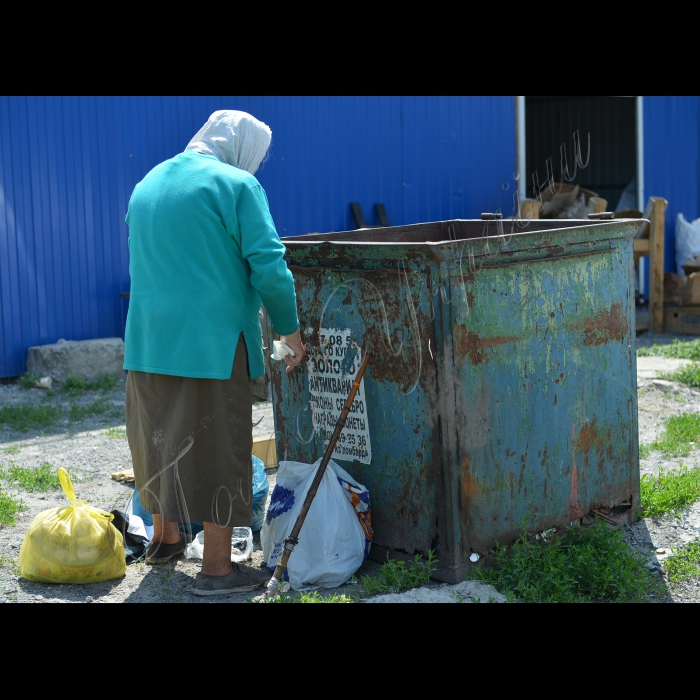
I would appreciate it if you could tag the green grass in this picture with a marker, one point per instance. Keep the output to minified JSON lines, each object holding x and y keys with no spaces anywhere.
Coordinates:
{"x":8,"y":507}
{"x":74,"y":385}
{"x":688,"y":374}
{"x":24,"y":418}
{"x":42,"y":478}
{"x":309,"y":597}
{"x":669,"y":491}
{"x":680,"y":435}
{"x":11,"y":450}
{"x":116,"y":433}
{"x":689,"y":350}
{"x":644,"y":451}
{"x":94,"y":408}
{"x":683,"y":564}
{"x":26,"y":381}
{"x":14,"y":564}
{"x":583,"y":564}
{"x":395,"y":576}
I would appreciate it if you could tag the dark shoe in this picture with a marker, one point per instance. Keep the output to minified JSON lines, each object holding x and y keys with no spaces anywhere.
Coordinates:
{"x":159,"y":553}
{"x":242,"y":578}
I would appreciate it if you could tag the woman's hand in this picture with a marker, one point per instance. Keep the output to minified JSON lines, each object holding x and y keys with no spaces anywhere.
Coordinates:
{"x":294,"y":343}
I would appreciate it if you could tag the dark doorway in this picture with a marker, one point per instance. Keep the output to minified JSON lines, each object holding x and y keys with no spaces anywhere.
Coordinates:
{"x":611,"y":169}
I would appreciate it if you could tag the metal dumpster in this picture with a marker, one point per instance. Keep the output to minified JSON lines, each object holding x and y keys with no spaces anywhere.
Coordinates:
{"x":501,"y":388}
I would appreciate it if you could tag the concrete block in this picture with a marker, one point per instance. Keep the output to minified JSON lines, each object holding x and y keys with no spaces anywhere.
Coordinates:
{"x":85,"y":359}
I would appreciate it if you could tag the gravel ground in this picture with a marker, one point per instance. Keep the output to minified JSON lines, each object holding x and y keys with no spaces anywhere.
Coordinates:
{"x":91,"y":447}
{"x":90,"y":450}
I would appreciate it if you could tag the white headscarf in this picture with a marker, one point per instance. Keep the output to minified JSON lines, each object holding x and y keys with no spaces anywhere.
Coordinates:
{"x":234,"y":137}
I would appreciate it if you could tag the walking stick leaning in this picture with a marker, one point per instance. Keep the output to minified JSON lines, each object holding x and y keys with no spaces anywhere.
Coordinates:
{"x":293,"y":539}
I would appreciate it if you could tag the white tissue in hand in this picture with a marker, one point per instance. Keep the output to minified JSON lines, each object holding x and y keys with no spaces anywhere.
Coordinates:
{"x":280,"y":350}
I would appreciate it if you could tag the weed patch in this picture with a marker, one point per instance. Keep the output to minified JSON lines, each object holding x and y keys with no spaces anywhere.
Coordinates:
{"x":669,"y":491}
{"x":115,"y":433}
{"x":11,"y":450}
{"x":24,"y":418}
{"x":26,"y":381}
{"x":683,"y":564}
{"x":42,"y":478}
{"x":394,"y":576}
{"x":94,"y":408}
{"x":680,"y":435}
{"x":74,"y":385}
{"x":688,"y":374}
{"x":689,"y":350}
{"x":584,"y":564}
{"x":8,"y":507}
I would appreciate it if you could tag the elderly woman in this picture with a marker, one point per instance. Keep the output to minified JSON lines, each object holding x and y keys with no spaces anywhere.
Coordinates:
{"x":204,"y":254}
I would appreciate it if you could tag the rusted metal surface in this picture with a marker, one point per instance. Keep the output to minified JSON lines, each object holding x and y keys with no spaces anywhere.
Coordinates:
{"x":502,"y":386}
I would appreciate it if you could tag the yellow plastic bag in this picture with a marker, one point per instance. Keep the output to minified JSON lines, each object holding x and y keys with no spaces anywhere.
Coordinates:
{"x":72,"y":544}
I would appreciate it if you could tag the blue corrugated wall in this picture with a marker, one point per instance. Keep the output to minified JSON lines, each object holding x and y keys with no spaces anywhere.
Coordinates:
{"x":68,"y":166}
{"x":671,"y":160}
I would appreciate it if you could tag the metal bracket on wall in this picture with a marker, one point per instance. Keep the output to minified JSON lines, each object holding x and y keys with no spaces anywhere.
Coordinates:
{"x":356,"y":210}
{"x":379,"y":209}
{"x":382,"y":216}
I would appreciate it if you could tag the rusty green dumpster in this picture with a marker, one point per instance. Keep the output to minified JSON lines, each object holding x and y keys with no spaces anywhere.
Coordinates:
{"x":501,"y":386}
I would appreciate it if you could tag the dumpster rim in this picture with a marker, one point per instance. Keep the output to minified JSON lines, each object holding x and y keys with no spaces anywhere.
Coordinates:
{"x":294,"y":240}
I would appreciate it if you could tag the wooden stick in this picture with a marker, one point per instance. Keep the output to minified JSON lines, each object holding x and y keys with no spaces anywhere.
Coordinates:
{"x":607,"y":518}
{"x":293,"y":538}
{"x":656,"y":264}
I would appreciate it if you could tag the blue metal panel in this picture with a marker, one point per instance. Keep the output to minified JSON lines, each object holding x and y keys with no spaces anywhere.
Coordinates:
{"x":69,"y":165}
{"x":671,"y":165}
{"x":459,"y":155}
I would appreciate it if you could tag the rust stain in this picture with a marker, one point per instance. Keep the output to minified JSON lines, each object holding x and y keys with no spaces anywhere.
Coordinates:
{"x":469,"y":344}
{"x":606,"y":326}
{"x":573,"y":498}
{"x":470,"y":486}
{"x":522,"y":472}
{"x":587,"y":437}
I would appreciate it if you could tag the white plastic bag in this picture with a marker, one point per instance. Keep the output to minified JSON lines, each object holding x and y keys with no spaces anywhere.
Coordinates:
{"x":687,"y":241}
{"x":280,"y":350}
{"x":241,"y":545}
{"x":336,"y":535}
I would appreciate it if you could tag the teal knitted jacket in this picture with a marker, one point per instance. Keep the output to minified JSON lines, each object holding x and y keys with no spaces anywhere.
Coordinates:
{"x":204,"y":254}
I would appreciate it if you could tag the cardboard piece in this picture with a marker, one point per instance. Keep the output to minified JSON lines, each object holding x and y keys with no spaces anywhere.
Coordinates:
{"x":691,"y":297}
{"x":674,"y":288}
{"x":692,"y":265}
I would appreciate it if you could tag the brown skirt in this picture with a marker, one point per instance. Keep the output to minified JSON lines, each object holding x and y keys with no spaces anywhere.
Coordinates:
{"x":191,"y":442}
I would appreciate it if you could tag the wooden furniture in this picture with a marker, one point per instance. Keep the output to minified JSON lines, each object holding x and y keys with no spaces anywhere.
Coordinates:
{"x":650,"y":241}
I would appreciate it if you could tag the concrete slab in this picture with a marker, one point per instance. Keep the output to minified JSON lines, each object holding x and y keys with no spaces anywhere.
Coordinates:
{"x":654,"y":367}
{"x":84,"y":359}
{"x":465,"y":592}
